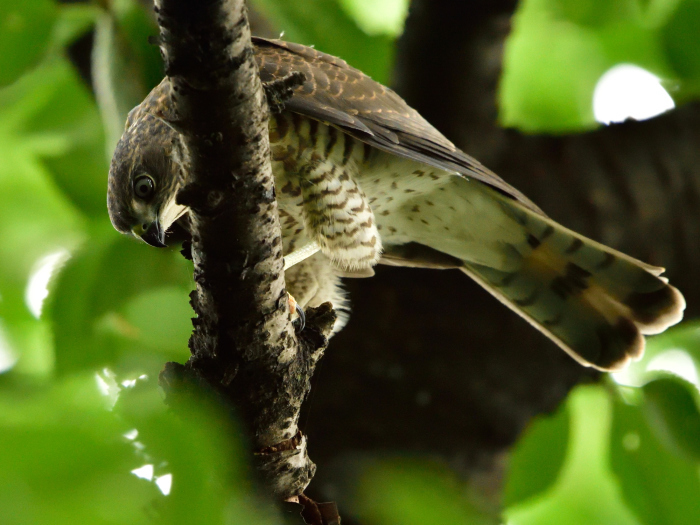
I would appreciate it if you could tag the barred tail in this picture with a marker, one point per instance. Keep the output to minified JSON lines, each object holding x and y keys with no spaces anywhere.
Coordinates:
{"x":594,"y":302}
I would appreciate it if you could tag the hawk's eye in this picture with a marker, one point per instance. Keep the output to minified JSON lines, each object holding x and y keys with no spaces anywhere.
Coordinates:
{"x":144,"y":187}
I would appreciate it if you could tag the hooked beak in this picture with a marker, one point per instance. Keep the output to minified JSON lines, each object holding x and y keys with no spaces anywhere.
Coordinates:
{"x":154,"y":235}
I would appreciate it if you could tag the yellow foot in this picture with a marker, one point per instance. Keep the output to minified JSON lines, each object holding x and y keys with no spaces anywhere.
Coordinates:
{"x":294,"y":308}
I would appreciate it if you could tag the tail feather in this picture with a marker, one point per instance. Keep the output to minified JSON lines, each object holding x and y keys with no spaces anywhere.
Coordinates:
{"x":594,"y":302}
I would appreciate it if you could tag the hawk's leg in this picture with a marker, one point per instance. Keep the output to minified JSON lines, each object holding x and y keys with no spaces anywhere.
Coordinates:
{"x":338,"y":214}
{"x":316,"y":168}
{"x":313,"y":282}
{"x":294,"y":308}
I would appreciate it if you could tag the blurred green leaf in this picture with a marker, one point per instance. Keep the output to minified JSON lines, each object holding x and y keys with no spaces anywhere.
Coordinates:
{"x":161,"y":317}
{"x":407,"y":491}
{"x":551,"y":68}
{"x":378,"y":17}
{"x":662,"y":488}
{"x":137,"y":23}
{"x":199,"y":446}
{"x":116,"y":77}
{"x":537,"y":459}
{"x":323,"y":24}
{"x":586,"y":491}
{"x":685,"y":335}
{"x":59,"y":105}
{"x":73,"y":21}
{"x":676,"y":351}
{"x":681,"y":42}
{"x":65,"y":461}
{"x":35,"y":217}
{"x":595,"y":12}
{"x":672,"y":408}
{"x":25,"y":35}
{"x":99,"y":293}
{"x":559,"y":49}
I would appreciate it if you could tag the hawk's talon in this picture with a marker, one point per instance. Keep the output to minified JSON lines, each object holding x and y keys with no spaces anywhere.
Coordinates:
{"x":300,"y":322}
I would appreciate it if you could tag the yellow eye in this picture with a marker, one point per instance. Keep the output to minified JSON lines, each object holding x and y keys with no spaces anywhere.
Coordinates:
{"x":144,"y":187}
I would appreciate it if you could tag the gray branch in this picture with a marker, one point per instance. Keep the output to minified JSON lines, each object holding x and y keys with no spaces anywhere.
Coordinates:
{"x":243,"y":345}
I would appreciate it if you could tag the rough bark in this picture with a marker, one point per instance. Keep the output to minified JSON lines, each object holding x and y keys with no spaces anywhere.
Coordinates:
{"x":243,"y":345}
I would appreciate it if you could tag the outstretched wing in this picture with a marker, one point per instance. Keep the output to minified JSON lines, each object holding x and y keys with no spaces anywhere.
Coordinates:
{"x":340,"y":95}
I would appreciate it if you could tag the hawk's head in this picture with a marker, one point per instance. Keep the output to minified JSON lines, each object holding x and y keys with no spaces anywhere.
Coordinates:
{"x":147,"y":170}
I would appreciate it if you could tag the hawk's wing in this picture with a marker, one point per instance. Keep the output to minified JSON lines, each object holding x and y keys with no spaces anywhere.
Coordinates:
{"x":343,"y":96}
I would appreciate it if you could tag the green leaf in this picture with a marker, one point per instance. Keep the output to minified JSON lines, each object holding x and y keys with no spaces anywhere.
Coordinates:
{"x":378,"y":17}
{"x":62,"y":107}
{"x":136,"y":23}
{"x":323,"y":24}
{"x":681,"y":41}
{"x":35,"y":217}
{"x":559,"y":49}
{"x":65,"y":460}
{"x":101,"y":290}
{"x":586,"y":491}
{"x":197,"y":443}
{"x":405,"y":491}
{"x":551,"y":68}
{"x":116,"y":77}
{"x":672,"y":408}
{"x":161,"y":318}
{"x":74,"y":20}
{"x":537,"y":458}
{"x":595,"y":12}
{"x":25,"y":35}
{"x":661,"y":487}
{"x":676,"y":351}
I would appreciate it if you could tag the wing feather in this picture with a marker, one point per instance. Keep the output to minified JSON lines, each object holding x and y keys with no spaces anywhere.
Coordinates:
{"x":346,"y":98}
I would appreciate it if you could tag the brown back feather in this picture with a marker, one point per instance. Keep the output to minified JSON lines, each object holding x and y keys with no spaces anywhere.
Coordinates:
{"x":346,"y":98}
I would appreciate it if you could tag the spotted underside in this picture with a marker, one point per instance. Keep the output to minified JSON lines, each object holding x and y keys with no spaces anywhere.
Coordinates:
{"x":356,"y":200}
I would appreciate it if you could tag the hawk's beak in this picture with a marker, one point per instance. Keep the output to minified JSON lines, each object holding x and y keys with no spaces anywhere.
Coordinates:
{"x":154,"y":235}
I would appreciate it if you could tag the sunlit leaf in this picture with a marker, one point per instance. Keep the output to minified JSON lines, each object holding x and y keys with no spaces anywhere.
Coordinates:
{"x":197,"y":444}
{"x":536,"y":460}
{"x":661,"y":487}
{"x":90,"y":305}
{"x":550,"y":71}
{"x":586,"y":491}
{"x":65,"y":461}
{"x":681,"y":41}
{"x":559,"y":49}
{"x":378,"y":17}
{"x":35,"y":217}
{"x":25,"y":34}
{"x":672,"y":408}
{"x":676,"y":351}
{"x":323,"y":24}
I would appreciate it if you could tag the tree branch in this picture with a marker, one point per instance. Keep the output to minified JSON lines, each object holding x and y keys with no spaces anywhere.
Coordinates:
{"x":243,"y":345}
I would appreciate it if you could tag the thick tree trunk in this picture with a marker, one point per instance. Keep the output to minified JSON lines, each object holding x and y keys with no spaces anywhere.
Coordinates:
{"x":243,"y":345}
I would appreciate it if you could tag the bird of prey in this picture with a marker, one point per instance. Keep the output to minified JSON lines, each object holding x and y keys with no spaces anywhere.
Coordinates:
{"x":363,"y":177}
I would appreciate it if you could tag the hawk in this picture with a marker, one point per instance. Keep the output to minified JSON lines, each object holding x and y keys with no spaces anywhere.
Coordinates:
{"x":363,"y":179}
